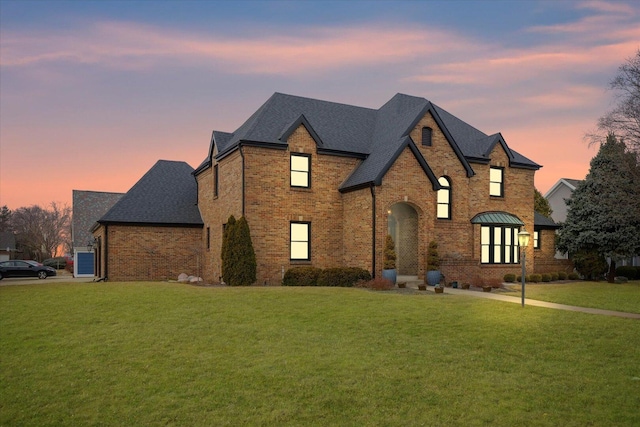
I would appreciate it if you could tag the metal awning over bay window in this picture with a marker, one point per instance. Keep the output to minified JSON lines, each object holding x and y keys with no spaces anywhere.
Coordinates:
{"x":498,"y":237}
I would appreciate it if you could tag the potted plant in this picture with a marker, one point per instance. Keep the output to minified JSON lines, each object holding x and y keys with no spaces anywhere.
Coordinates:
{"x":433,"y":263}
{"x":389,"y":255}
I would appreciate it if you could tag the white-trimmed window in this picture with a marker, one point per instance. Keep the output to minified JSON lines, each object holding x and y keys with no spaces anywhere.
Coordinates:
{"x":300,"y":241}
{"x":496,"y":181}
{"x":444,"y":199}
{"x":499,"y":244}
{"x":300,"y":170}
{"x":536,"y":240}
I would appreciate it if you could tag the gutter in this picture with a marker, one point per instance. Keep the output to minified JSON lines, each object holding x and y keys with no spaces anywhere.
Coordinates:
{"x":373,"y":233}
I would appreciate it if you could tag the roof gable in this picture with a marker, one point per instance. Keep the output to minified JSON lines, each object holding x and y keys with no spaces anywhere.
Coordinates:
{"x":166,"y":194}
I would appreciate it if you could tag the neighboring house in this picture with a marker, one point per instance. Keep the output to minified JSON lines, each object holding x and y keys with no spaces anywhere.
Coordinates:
{"x":155,"y":230}
{"x":7,"y":245}
{"x":88,"y":207}
{"x":322,"y":184}
{"x":557,"y":196}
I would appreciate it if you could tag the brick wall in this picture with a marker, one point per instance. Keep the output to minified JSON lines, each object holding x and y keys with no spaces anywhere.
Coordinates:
{"x":150,"y":252}
{"x":544,"y":257}
{"x":341,"y":223}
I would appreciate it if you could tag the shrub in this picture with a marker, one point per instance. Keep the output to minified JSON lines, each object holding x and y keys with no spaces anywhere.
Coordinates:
{"x":554,"y":277}
{"x":377,"y":284}
{"x":301,"y":276}
{"x":345,"y":277}
{"x":433,"y":259}
{"x":562,"y":275}
{"x":545,"y":277}
{"x":626,"y":271}
{"x":389,"y":253}
{"x":573,"y":276}
{"x":534,"y":278}
{"x":509,"y":278}
{"x":238,"y":257}
{"x":494,"y":283}
{"x":590,"y":264}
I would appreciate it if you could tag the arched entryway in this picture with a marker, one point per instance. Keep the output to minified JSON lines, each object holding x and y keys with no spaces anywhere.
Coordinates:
{"x":403,"y":228}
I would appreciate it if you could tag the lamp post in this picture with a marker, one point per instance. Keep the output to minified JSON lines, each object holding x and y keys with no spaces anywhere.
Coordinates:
{"x":523,"y":241}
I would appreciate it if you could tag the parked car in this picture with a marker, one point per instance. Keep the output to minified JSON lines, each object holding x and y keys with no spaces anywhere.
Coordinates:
{"x":59,"y":263}
{"x":20,"y":268}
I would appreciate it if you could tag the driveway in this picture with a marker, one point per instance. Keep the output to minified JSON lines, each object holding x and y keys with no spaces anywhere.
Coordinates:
{"x":62,"y":277}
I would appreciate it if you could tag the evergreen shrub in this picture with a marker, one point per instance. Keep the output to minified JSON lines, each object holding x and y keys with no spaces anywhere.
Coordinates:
{"x":554,"y":277}
{"x":534,"y":278}
{"x":509,"y":278}
{"x":562,"y":275}
{"x":301,"y":276}
{"x":345,"y":277}
{"x":545,"y":277}
{"x":627,"y":271}
{"x":573,"y":276}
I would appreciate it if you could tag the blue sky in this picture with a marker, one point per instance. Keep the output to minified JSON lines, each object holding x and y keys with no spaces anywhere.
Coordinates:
{"x":93,"y":93}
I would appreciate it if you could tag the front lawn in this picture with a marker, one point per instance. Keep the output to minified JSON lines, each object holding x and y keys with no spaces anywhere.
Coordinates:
{"x":607,"y":296}
{"x":170,"y":354}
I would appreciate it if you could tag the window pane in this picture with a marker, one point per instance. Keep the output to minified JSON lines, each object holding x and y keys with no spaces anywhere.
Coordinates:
{"x":484,"y":235}
{"x":299,"y":179}
{"x":497,"y":236}
{"x":299,"y":232}
{"x":485,"y":254}
{"x":443,"y":211}
{"x":443,"y":196}
{"x":495,"y":175}
{"x":299,"y":250}
{"x":443,"y":181}
{"x":495,"y":189}
{"x":497,"y":258}
{"x":507,"y":236}
{"x":507,"y":254}
{"x":299,"y":163}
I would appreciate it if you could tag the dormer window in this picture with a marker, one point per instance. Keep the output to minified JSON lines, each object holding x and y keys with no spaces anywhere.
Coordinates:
{"x":496,"y":181}
{"x":300,"y":170}
{"x":426,"y":136}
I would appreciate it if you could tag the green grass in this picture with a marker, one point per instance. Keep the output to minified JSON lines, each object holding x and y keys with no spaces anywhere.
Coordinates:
{"x":607,"y":296}
{"x":169,"y":354}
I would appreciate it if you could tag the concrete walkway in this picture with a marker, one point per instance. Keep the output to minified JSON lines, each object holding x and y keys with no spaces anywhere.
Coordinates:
{"x":536,"y":303}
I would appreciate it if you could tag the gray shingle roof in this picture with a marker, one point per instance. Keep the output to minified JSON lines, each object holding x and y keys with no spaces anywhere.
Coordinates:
{"x":7,"y":240}
{"x":89,"y":207}
{"x":541,"y":221}
{"x":166,"y":194}
{"x":376,"y":135}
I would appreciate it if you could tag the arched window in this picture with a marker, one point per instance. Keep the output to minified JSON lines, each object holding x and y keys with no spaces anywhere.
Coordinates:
{"x":426,"y":136}
{"x":444,"y":199}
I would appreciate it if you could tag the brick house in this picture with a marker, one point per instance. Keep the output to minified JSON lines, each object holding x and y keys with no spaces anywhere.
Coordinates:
{"x":322,"y":183}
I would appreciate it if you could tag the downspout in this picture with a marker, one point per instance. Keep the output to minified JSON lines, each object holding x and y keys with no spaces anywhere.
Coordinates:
{"x":373,"y":234}
{"x":106,"y":251}
{"x":242,"y":156}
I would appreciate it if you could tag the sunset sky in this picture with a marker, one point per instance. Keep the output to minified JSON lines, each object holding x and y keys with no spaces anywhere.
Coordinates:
{"x":92,"y":94}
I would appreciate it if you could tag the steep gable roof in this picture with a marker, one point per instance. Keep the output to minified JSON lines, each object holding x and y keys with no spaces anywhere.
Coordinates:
{"x":165,"y":195}
{"x":89,"y":207}
{"x":376,"y":136}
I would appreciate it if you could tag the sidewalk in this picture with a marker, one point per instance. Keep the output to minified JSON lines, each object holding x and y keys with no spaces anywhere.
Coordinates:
{"x":536,"y":303}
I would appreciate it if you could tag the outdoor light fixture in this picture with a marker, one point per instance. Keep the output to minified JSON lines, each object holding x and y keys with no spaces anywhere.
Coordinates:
{"x":523,"y":241}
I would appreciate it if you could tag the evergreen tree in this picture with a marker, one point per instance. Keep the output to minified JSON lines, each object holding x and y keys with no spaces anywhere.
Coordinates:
{"x":225,"y":252}
{"x":540,"y":204}
{"x":244,"y":268}
{"x":604,"y":210}
{"x":5,"y":218}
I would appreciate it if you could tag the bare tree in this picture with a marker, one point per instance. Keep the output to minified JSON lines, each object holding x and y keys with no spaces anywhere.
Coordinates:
{"x":40,"y":232}
{"x":624,"y":119}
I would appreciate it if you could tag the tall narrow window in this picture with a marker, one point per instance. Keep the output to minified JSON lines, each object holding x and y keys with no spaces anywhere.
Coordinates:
{"x":300,"y":241}
{"x":444,"y":199}
{"x":300,"y":170}
{"x":208,"y":238}
{"x":426,"y":136}
{"x":215,"y":180}
{"x":536,"y":240}
{"x":496,"y":181}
